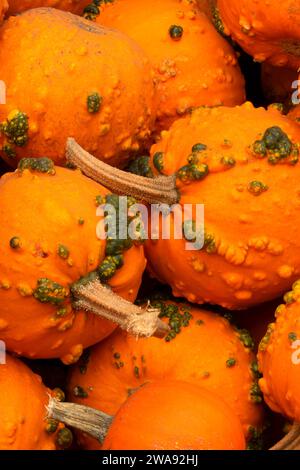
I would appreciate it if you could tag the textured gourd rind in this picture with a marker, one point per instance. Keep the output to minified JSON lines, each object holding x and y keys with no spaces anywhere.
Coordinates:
{"x":241,"y":175}
{"x":263,"y":30}
{"x":93,"y":84}
{"x":201,"y":348}
{"x":23,"y":401}
{"x":49,"y":242}
{"x":192,"y":64}
{"x":278,"y":357}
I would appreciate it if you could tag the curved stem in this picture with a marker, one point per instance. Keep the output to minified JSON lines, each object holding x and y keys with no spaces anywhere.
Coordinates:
{"x":291,"y":441}
{"x":93,"y":422}
{"x":101,"y":300}
{"x":152,"y":190}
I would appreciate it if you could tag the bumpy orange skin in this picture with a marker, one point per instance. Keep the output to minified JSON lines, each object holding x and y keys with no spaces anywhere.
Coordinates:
{"x":74,"y":6}
{"x":199,"y":69}
{"x":174,"y":415}
{"x":279,"y":358}
{"x":277,"y":83}
{"x":255,"y":258}
{"x":266,"y":30}
{"x":43,"y":211}
{"x":23,"y":401}
{"x":294,"y":113}
{"x":197,"y":355}
{"x":83,"y":59}
{"x":3,"y":9}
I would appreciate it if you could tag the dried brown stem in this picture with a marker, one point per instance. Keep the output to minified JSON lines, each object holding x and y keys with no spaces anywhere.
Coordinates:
{"x":96,"y":423}
{"x":291,"y":441}
{"x":93,"y":422}
{"x":101,"y":300}
{"x":151,"y":190}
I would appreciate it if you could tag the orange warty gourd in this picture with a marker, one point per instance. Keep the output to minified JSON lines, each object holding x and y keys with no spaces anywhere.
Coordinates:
{"x":74,"y":6}
{"x":237,"y":162}
{"x":23,"y":401}
{"x":174,"y":415}
{"x":193,"y":65}
{"x":48,"y":242}
{"x":202,"y":348}
{"x":266,"y":30}
{"x":92,"y":83}
{"x":279,"y":358}
{"x":3,"y":9}
{"x":248,"y":155}
{"x":278,"y":83}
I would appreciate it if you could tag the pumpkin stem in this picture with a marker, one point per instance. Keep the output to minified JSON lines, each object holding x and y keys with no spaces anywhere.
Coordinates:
{"x":101,"y":300}
{"x":93,"y":422}
{"x":160,"y":190}
{"x":291,"y":441}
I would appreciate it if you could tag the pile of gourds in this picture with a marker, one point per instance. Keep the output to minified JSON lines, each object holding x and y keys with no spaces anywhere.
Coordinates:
{"x":147,"y":99}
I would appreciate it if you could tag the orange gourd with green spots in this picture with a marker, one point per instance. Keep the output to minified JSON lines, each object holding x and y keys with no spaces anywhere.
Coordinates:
{"x":242,"y":163}
{"x":279,"y":358}
{"x":192,"y":64}
{"x":267,"y":30}
{"x":23,"y":401}
{"x":74,"y":6}
{"x":92,"y":83}
{"x":48,"y":242}
{"x":174,"y":415}
{"x":206,"y":351}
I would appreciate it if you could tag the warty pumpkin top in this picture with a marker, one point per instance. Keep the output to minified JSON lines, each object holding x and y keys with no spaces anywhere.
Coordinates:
{"x":93,"y":83}
{"x":242,"y":164}
{"x":267,"y":30}
{"x":193,"y":65}
{"x":48,"y":243}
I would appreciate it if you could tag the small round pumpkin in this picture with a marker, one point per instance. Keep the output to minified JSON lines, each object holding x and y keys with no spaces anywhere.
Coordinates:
{"x":3,"y":9}
{"x":279,"y":358}
{"x":242,"y":164}
{"x":48,"y":242}
{"x":193,"y":65}
{"x":74,"y":6}
{"x":92,"y":83}
{"x":202,"y":348}
{"x":264,"y":29}
{"x":23,"y":401}
{"x":174,"y":415}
